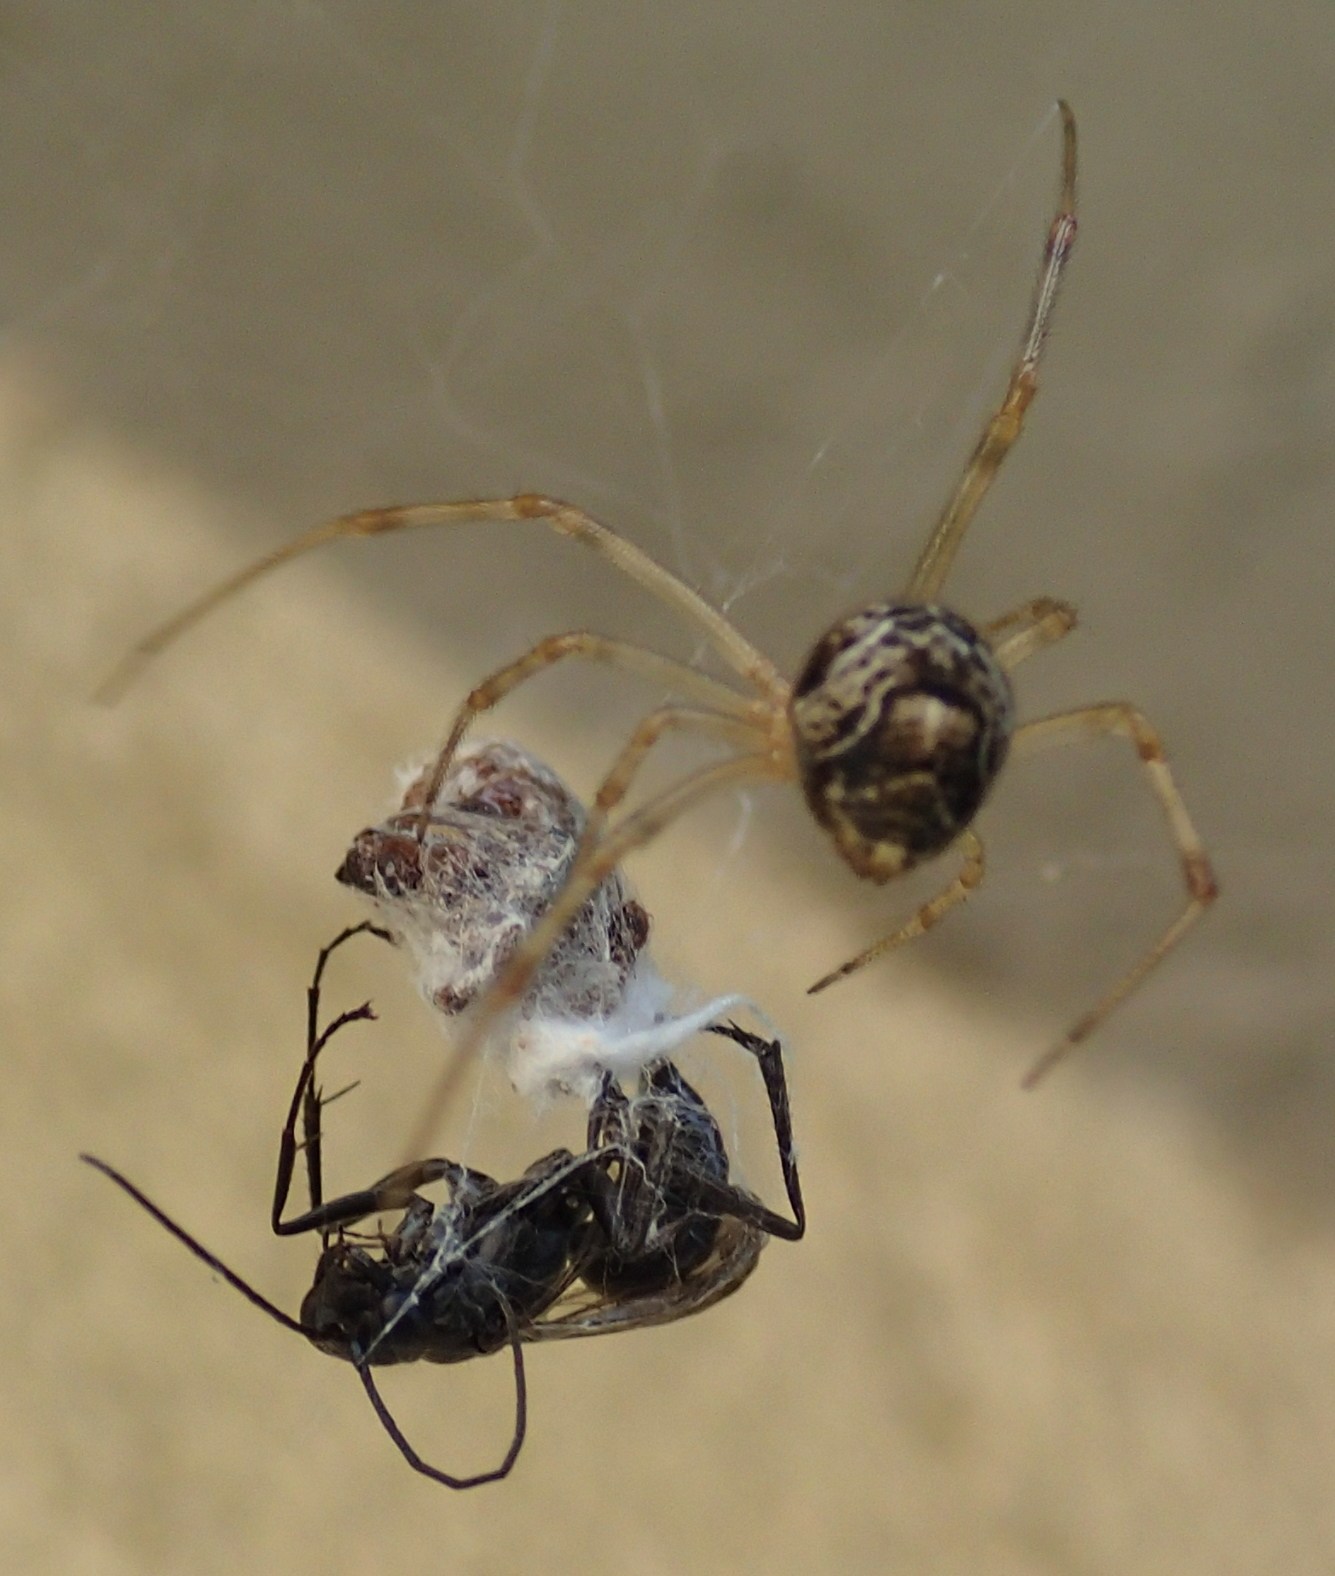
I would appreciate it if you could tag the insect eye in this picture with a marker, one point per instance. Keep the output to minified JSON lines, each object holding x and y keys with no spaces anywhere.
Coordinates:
{"x":381,"y":861}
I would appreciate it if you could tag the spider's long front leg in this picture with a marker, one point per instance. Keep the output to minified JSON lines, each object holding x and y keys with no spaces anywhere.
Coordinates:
{"x":599,"y":854}
{"x":931,"y":913}
{"x":665,"y":671}
{"x":1071,"y":727}
{"x":563,"y":518}
{"x":1004,"y":428}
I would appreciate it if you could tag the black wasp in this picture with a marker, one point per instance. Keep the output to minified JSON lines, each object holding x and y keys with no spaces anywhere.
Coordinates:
{"x":641,"y":1229}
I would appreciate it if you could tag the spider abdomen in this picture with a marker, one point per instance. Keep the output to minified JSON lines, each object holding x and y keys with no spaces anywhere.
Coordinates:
{"x":902,"y":718}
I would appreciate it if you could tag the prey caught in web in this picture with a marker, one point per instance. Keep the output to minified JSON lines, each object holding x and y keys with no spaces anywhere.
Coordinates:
{"x":461,"y":880}
{"x":643,"y":1228}
{"x":894,"y":727}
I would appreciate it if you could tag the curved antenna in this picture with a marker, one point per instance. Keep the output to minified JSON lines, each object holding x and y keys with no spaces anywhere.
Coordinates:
{"x":198,"y":1249}
{"x":259,"y":1300}
{"x":424,"y":1467}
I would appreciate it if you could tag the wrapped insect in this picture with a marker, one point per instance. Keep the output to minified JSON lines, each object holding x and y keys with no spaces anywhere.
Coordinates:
{"x":646,"y":1219}
{"x":460,"y":883}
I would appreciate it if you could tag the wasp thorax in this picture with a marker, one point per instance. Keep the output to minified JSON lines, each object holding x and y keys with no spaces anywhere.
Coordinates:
{"x":901,"y":719}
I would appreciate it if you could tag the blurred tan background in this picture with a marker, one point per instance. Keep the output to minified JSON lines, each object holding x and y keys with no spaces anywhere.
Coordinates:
{"x":744,"y":281}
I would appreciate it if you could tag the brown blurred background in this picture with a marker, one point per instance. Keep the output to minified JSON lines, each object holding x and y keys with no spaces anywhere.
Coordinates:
{"x":743,"y":281}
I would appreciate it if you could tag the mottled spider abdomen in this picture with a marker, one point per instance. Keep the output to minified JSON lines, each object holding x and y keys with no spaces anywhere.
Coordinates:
{"x":901,"y":718}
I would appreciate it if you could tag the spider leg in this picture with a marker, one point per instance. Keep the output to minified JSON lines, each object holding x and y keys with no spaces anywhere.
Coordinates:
{"x":563,"y":518}
{"x":1027,"y":629}
{"x":416,"y":1462}
{"x":579,"y":883}
{"x":1006,"y":424}
{"x":616,"y":784}
{"x":600,"y":853}
{"x":1070,"y":727}
{"x":931,"y":913}
{"x":648,"y":731}
{"x":769,"y":1058}
{"x":546,"y":653}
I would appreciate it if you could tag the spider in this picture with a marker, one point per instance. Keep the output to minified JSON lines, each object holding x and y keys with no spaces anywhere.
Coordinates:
{"x":895,"y":726}
{"x":646,"y":1217}
{"x":462,"y":894}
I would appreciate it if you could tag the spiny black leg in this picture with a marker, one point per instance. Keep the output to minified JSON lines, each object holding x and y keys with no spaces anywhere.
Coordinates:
{"x":769,"y":1056}
{"x":394,"y":1191}
{"x":306,"y":1098}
